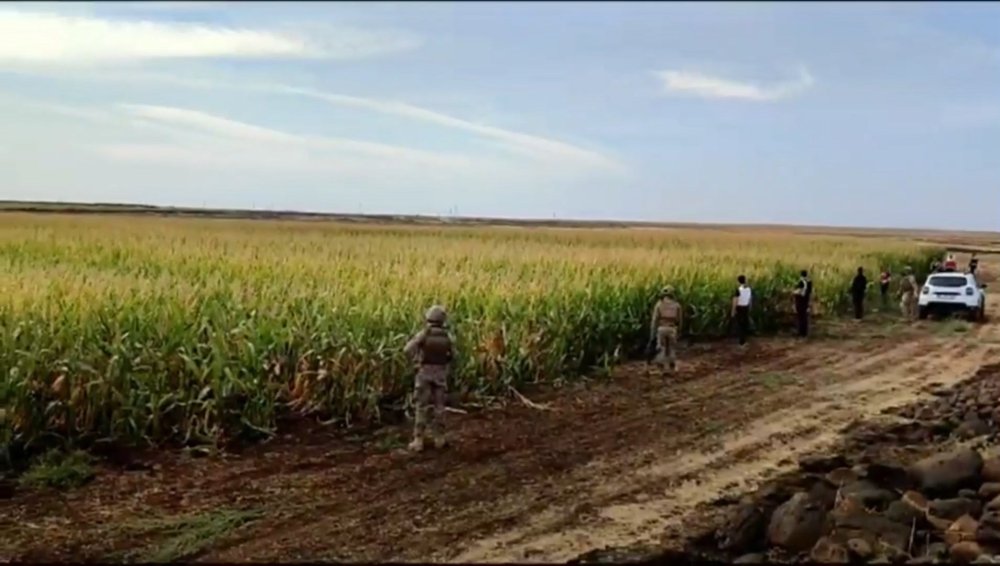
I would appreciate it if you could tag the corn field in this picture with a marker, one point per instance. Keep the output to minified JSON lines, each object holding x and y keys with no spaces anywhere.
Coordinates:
{"x":190,"y":330}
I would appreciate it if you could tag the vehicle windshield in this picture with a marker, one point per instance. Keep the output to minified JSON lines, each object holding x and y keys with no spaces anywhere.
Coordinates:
{"x":947,"y":281}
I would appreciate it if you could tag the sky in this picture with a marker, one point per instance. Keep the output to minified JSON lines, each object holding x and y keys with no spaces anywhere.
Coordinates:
{"x":852,"y":114}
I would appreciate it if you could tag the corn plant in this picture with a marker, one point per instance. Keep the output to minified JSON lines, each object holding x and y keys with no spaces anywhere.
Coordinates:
{"x":188,"y":330}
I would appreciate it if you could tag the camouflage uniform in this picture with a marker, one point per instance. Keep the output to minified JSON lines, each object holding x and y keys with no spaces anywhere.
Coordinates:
{"x":433,"y":350}
{"x":908,"y":291}
{"x":664,"y":326}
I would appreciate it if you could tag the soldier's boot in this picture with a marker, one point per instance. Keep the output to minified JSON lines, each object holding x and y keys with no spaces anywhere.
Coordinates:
{"x":417,"y":444}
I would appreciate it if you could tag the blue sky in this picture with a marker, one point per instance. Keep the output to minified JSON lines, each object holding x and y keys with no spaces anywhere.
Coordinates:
{"x":877,"y":114}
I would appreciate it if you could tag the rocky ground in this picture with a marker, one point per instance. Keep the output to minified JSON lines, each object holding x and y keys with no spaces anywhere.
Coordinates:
{"x":918,"y":485}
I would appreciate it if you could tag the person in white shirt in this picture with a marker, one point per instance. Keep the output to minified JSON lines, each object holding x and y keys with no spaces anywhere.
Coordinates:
{"x":742,"y":299}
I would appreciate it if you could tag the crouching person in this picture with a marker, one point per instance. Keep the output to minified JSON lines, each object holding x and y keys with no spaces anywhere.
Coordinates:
{"x":433,"y":350}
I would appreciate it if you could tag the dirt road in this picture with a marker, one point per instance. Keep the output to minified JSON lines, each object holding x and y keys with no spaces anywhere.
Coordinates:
{"x":610,"y":462}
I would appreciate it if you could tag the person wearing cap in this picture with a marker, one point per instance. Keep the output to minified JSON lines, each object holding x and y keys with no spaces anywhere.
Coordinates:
{"x":950,"y":264}
{"x":664,"y":328}
{"x":433,"y":350}
{"x":908,"y":293}
{"x":973,"y":263}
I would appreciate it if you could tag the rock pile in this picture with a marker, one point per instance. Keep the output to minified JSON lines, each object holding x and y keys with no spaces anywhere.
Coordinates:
{"x":920,"y":490}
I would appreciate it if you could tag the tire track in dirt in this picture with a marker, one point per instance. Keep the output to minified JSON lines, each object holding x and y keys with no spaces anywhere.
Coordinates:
{"x":639,"y":506}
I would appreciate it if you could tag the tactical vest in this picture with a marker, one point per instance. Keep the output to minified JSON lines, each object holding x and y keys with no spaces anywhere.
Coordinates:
{"x":667,"y":313}
{"x":436,"y":347}
{"x":907,"y":285}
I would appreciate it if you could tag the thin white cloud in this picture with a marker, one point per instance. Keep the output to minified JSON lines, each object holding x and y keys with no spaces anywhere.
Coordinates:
{"x":205,"y":123}
{"x":524,"y":143}
{"x":528,"y":145}
{"x":47,"y":38}
{"x":707,"y":86}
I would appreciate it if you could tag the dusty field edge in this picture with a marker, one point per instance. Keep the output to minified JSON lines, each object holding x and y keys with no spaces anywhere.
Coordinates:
{"x":698,"y":547}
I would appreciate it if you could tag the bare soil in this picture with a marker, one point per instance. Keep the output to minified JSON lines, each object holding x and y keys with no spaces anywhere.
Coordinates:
{"x":629,"y":459}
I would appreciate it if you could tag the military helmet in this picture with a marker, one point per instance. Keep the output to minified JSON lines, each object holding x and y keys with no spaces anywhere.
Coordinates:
{"x":667,"y":291}
{"x":436,"y":315}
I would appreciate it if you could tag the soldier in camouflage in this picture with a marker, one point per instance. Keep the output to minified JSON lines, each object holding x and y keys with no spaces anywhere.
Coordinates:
{"x":432,"y":349}
{"x":908,"y":293}
{"x":666,"y":321}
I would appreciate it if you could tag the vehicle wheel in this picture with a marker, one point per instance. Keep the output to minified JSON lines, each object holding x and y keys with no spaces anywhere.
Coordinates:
{"x":922,"y":313}
{"x":975,"y":315}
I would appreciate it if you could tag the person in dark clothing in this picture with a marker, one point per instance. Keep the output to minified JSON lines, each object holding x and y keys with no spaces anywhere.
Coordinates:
{"x":858,"y":288}
{"x":883,"y":286}
{"x":973,"y":264}
{"x":803,"y":294}
{"x":741,"y":308}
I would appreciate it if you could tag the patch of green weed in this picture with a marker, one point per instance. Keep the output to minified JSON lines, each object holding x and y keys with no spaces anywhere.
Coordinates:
{"x":59,"y":470}
{"x":776,"y":380}
{"x":187,"y":535}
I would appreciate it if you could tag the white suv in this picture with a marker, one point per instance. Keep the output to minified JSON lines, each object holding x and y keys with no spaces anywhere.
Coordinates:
{"x":949,"y":292}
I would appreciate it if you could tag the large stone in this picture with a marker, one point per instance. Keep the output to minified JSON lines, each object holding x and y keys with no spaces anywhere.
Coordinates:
{"x":963,"y":529}
{"x":991,"y":467}
{"x":752,"y":558}
{"x":954,"y":508}
{"x":742,"y":528}
{"x":947,"y":473}
{"x":797,"y":524}
{"x":826,"y":551}
{"x":989,"y":527}
{"x":965,"y":552}
{"x":823,"y":494}
{"x":989,"y":491}
{"x":854,"y":518}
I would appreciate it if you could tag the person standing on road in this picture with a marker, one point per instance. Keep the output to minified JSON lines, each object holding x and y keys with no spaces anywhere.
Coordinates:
{"x":908,"y":293}
{"x":742,"y":299}
{"x":803,"y":294}
{"x":433,"y":350}
{"x":664,"y":328}
{"x":883,"y":286}
{"x":858,"y":289}
{"x":973,"y":264}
